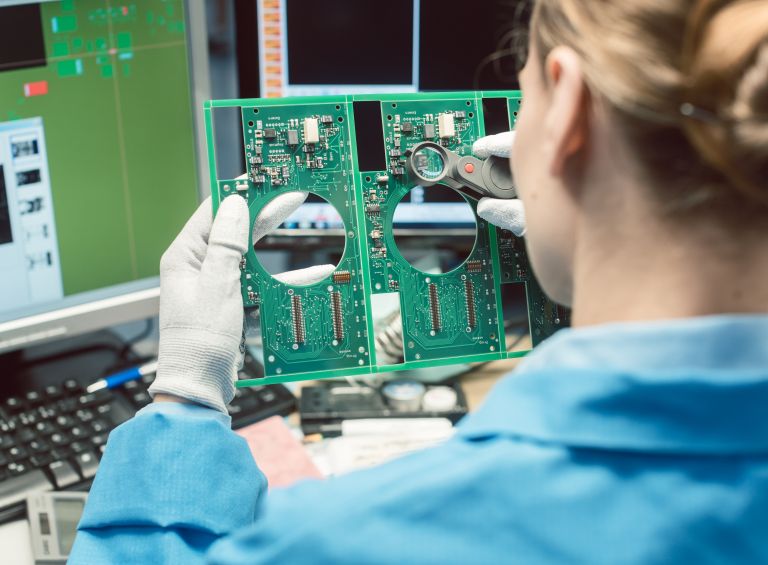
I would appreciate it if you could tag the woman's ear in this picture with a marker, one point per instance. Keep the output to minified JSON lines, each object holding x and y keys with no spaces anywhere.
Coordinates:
{"x":567,"y":121}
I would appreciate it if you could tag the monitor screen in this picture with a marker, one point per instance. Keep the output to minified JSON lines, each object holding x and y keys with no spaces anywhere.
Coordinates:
{"x":97,"y":157}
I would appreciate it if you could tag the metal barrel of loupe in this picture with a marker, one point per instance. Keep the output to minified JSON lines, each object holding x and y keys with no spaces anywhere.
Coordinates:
{"x":430,"y":164}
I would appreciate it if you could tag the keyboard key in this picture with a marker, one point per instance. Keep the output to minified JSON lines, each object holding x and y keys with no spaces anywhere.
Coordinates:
{"x":65,"y":422}
{"x":132,"y":386}
{"x":7,"y":426}
{"x":64,"y":474}
{"x":72,"y":386}
{"x":86,"y":400}
{"x":88,"y":463}
{"x":17,"y":453}
{"x":40,"y":460}
{"x":38,"y":446}
{"x":67,"y":405}
{"x":52,"y":392}
{"x":25,"y":435}
{"x":141,"y":399}
{"x":17,"y":488}
{"x":33,"y":398}
{"x":59,"y":439}
{"x":61,"y":453}
{"x":46,"y":412}
{"x":99,"y":440}
{"x":79,"y":447}
{"x":28,"y":418}
{"x":99,"y":426}
{"x":18,"y":468}
{"x":44,"y":428}
{"x":14,"y":404}
{"x":84,"y":415}
{"x":78,"y":432}
{"x":6,"y":441}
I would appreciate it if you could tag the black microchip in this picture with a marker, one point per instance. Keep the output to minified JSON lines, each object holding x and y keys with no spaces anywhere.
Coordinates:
{"x":406,"y":127}
{"x":270,"y":133}
{"x":460,"y":115}
{"x":429,"y":131}
{"x":394,"y":153}
{"x":256,"y":160}
{"x":292,"y":137}
{"x":309,"y":148}
{"x":398,"y":171}
{"x":326,"y":119}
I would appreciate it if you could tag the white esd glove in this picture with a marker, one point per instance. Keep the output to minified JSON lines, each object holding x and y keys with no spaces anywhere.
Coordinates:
{"x":201,"y":307}
{"x":507,"y":214}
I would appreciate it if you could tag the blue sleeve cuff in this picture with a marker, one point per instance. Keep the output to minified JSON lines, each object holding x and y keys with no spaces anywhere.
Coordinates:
{"x":188,"y":409}
{"x":175,"y":466}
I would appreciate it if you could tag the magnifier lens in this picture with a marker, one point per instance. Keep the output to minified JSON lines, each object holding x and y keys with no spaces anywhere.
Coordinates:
{"x":428,"y":163}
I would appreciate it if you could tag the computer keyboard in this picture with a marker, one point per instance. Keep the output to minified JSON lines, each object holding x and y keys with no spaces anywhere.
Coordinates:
{"x":52,"y":439}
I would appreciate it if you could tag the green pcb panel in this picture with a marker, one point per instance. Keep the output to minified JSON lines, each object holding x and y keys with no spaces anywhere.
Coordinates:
{"x":352,"y":150}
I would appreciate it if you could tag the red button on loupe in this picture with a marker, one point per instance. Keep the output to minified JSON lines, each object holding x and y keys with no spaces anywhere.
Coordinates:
{"x":469,"y":167}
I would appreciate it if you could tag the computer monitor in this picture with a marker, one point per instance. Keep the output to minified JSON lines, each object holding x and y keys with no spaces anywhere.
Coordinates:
{"x":350,"y":46}
{"x":98,"y":168}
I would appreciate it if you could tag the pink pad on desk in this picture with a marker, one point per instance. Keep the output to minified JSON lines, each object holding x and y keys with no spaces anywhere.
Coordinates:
{"x":279,"y":455}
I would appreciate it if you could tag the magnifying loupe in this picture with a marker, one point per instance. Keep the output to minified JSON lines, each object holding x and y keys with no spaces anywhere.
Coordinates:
{"x":431,"y":164}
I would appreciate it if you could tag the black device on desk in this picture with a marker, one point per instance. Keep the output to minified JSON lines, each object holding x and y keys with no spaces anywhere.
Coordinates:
{"x":324,"y":406}
{"x":53,"y":435}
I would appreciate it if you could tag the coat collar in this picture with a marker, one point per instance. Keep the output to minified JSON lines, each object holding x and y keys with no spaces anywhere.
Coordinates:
{"x":693,"y":386}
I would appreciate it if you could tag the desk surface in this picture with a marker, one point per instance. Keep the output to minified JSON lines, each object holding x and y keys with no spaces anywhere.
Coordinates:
{"x":478,"y":383}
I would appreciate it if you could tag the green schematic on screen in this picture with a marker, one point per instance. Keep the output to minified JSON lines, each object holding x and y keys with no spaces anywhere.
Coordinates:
{"x":354,"y":152}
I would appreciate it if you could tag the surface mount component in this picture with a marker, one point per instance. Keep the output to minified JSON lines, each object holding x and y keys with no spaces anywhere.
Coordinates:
{"x":363,"y":154}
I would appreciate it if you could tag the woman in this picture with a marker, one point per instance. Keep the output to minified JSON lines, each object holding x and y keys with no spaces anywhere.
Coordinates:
{"x":638,"y":436}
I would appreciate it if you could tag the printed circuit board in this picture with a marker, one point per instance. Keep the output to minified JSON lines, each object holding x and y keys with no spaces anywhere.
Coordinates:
{"x":351,"y":151}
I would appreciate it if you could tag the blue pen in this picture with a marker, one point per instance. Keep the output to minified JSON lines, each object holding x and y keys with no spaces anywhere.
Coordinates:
{"x":117,"y":379}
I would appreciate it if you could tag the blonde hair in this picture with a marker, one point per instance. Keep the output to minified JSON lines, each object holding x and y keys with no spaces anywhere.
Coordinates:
{"x":687,"y":81}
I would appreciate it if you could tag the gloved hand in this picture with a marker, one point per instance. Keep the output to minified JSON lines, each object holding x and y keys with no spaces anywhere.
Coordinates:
{"x":201,"y":308}
{"x":507,"y":214}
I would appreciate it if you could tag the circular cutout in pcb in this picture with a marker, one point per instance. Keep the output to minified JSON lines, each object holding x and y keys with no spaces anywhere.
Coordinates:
{"x":434,"y":228}
{"x":314,"y":234}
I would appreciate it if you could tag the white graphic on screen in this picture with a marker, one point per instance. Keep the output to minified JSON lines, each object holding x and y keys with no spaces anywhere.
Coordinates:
{"x":28,"y":246}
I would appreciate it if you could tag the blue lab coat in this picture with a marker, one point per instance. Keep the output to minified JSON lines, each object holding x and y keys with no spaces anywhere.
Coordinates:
{"x":625,"y":443}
